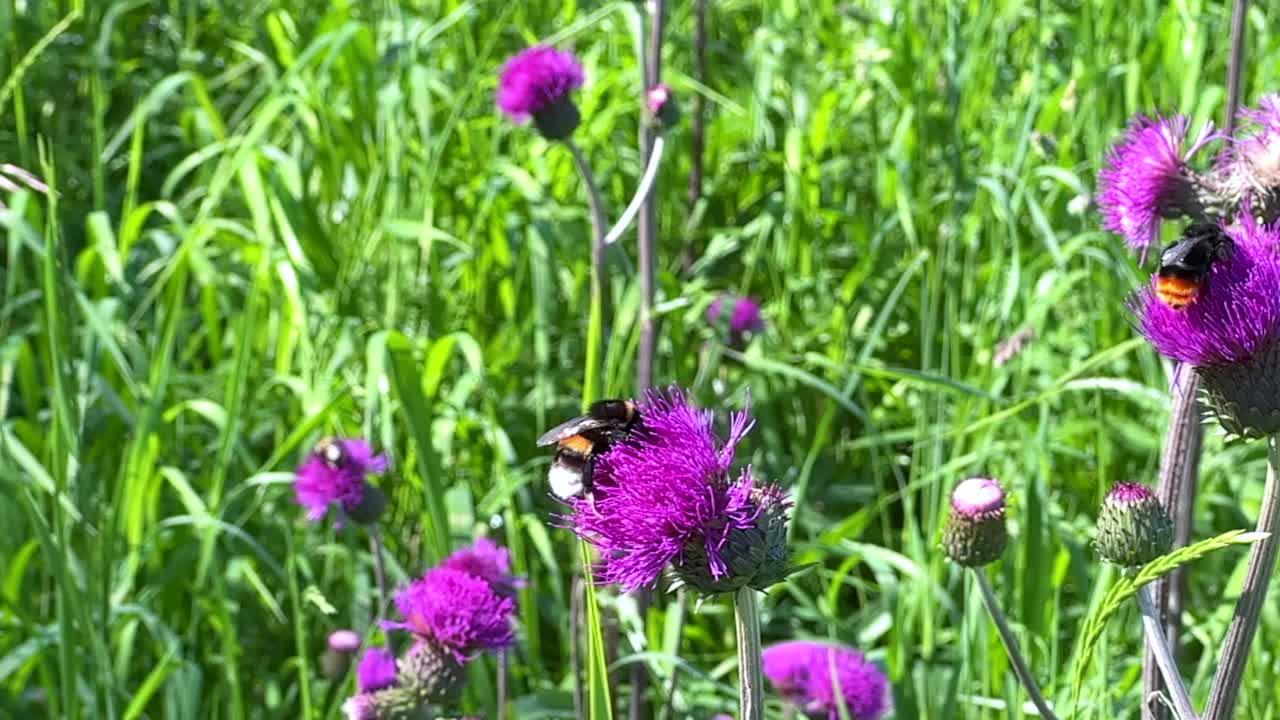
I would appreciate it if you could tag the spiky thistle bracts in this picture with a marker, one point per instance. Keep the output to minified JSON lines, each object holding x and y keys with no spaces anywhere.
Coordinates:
{"x":1133,"y":527}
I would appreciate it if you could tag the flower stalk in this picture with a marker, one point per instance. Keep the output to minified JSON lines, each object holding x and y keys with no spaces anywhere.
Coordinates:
{"x":1159,"y":645}
{"x":1262,"y":562}
{"x":746,"y":616}
{"x":380,"y":574}
{"x":1020,"y":667}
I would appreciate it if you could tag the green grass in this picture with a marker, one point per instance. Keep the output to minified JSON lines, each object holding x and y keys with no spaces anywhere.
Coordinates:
{"x":275,"y":220}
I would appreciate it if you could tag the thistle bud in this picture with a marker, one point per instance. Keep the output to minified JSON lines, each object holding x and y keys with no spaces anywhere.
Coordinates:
{"x":1133,"y":527}
{"x":661,"y":104}
{"x":975,"y":533}
{"x":433,"y":673}
{"x":754,"y":555}
{"x":337,"y":656}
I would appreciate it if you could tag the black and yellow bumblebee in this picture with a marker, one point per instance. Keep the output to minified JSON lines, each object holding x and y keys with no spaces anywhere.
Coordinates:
{"x":331,"y":452}
{"x":1184,"y":265}
{"x":581,"y":440}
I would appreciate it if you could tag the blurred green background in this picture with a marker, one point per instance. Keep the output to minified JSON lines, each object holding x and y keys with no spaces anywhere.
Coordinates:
{"x":278,"y":219}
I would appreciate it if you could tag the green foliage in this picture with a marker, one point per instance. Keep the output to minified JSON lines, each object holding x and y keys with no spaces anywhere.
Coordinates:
{"x":274,"y":220}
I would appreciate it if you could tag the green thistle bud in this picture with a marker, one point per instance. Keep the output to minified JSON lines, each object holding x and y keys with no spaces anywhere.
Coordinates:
{"x":1133,"y":527}
{"x":1245,"y":396}
{"x":337,"y":656}
{"x":975,"y":533}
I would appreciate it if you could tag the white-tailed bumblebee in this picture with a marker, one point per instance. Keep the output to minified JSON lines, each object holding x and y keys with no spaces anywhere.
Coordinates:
{"x":580,"y":440}
{"x":330,"y":451}
{"x":1184,"y":265}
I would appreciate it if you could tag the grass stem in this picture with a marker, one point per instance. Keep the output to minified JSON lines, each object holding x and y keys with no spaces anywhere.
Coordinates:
{"x":380,"y":574}
{"x":643,"y":190}
{"x":1020,"y":667}
{"x":1157,"y":641}
{"x":1262,"y":563}
{"x":746,"y":616}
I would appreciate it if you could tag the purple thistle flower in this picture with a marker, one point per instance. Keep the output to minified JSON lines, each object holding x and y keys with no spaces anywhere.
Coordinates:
{"x":664,"y":495}
{"x":456,"y":611}
{"x":744,"y":317}
{"x":335,"y":472}
{"x":1234,"y":317}
{"x":1250,"y":163}
{"x":536,"y":83}
{"x":1146,"y":178}
{"x":488,"y":561}
{"x":377,"y":670}
{"x":361,"y":707}
{"x":801,"y":672}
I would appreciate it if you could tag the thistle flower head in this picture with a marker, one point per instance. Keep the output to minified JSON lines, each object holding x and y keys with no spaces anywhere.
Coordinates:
{"x":335,"y":472}
{"x":377,"y":670}
{"x":1146,"y":178}
{"x":664,"y":496}
{"x":1230,"y":332}
{"x":488,"y":561}
{"x":815,"y":677}
{"x":536,"y":83}
{"x":975,"y":533}
{"x":743,"y":317}
{"x":1133,"y":527}
{"x":1250,"y":163}
{"x":456,"y":611}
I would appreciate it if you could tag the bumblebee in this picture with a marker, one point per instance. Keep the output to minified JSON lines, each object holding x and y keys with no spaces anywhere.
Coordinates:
{"x":330,"y":451}
{"x":580,"y":440}
{"x":1184,"y":265}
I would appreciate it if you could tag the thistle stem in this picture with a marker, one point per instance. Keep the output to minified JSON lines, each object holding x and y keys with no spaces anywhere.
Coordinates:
{"x":1235,"y":62}
{"x":380,"y":574}
{"x":1262,"y":562}
{"x":681,"y":610}
{"x":642,"y":193}
{"x":1011,"y":648}
{"x":1176,"y":491}
{"x":502,"y":684}
{"x":746,"y":616}
{"x":1158,"y":643}
{"x":575,"y":651}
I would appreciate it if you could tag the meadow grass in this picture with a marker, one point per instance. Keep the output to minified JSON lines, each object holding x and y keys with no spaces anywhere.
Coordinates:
{"x":281,"y":219}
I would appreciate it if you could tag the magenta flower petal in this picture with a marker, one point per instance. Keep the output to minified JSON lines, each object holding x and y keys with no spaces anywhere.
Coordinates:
{"x":535,"y":79}
{"x":802,"y":673}
{"x":458,"y":611}
{"x":377,"y":670}
{"x":1146,"y":177}
{"x":488,"y":561}
{"x":745,"y":315}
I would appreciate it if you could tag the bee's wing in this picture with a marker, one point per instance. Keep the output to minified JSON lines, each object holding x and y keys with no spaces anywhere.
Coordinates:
{"x":569,"y":428}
